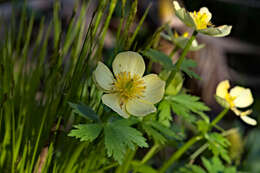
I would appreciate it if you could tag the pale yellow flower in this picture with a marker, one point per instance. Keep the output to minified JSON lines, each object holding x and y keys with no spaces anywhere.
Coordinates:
{"x":201,"y":18}
{"x":237,"y":97}
{"x":127,"y":91}
{"x":200,"y":21}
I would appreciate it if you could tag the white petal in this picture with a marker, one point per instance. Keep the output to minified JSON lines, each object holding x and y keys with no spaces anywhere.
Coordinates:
{"x":155,"y":88}
{"x":139,"y":107}
{"x":129,"y":62}
{"x":236,"y":91}
{"x":113,"y":101}
{"x":222,"y":89}
{"x":103,"y":77}
{"x":206,"y":11}
{"x":176,"y":5}
{"x":243,"y":96}
{"x":248,"y":120}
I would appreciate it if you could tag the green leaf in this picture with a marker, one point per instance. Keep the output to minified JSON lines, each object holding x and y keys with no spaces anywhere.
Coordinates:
{"x":183,"y":111}
{"x":202,"y":126}
{"x":142,"y":168}
{"x":163,"y":129}
{"x":118,"y":138}
{"x":86,"y":132}
{"x":84,"y":111}
{"x":159,"y":132}
{"x":213,"y":165}
{"x":218,"y":145}
{"x":165,"y":116}
{"x":151,"y":132}
{"x":191,"y":169}
{"x":197,"y":169}
{"x":186,"y":66}
{"x":185,"y":104}
{"x":159,"y":57}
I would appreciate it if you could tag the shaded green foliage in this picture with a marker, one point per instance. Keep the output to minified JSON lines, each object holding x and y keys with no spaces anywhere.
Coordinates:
{"x":119,"y":137}
{"x":213,"y":165}
{"x":86,"y":132}
{"x":186,"y":106}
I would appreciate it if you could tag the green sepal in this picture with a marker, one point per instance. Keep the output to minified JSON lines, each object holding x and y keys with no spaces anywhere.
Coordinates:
{"x":222,"y":102}
{"x":220,"y":31}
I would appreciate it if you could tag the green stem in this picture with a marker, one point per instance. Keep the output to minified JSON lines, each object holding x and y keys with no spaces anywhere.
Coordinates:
{"x":148,"y":156}
{"x":190,"y":142}
{"x":106,"y":168}
{"x":218,"y":118}
{"x":180,"y":60}
{"x":179,"y":153}
{"x":198,"y":152}
{"x":150,"y":153}
{"x":175,"y":49}
{"x":150,"y":65}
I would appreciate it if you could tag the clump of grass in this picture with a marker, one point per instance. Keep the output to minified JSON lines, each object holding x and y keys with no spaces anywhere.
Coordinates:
{"x":44,"y":65}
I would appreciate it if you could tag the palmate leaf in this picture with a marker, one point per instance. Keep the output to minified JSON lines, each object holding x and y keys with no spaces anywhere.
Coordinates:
{"x":163,"y":129}
{"x":213,"y":165}
{"x":84,"y":111}
{"x":154,"y":134}
{"x":218,"y":145}
{"x":185,"y":105}
{"x":159,"y":132}
{"x":86,"y":132}
{"x":119,"y":137}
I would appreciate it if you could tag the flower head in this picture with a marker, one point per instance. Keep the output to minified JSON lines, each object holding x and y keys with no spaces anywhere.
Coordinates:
{"x":200,"y":21}
{"x":127,"y":91}
{"x":237,"y":97}
{"x":201,"y":18}
{"x":182,"y":40}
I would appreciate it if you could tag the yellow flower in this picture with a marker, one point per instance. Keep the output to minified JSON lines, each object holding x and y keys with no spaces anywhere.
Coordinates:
{"x":201,"y":18}
{"x":127,"y":91}
{"x":238,"y":97}
{"x":200,"y":21}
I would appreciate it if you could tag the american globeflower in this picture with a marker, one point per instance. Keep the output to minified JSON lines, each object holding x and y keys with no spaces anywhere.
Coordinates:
{"x":237,"y":97}
{"x":200,"y":21}
{"x":127,"y":91}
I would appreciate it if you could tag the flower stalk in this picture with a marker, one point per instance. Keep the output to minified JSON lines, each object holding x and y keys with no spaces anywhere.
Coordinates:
{"x":189,"y":143}
{"x":180,"y":60}
{"x":148,"y":156}
{"x":219,"y":117}
{"x":179,"y":153}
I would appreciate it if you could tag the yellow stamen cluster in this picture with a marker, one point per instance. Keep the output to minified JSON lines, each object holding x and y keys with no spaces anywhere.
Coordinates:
{"x":185,"y":34}
{"x":200,"y":19}
{"x":230,"y":100}
{"x":129,"y":87}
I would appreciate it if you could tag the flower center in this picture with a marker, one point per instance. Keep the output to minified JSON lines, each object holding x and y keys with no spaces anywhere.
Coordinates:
{"x":200,"y":19}
{"x":230,"y":100}
{"x":128,"y":86}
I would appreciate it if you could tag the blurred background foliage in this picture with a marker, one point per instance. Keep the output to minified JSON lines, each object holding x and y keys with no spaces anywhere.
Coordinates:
{"x":235,"y":58}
